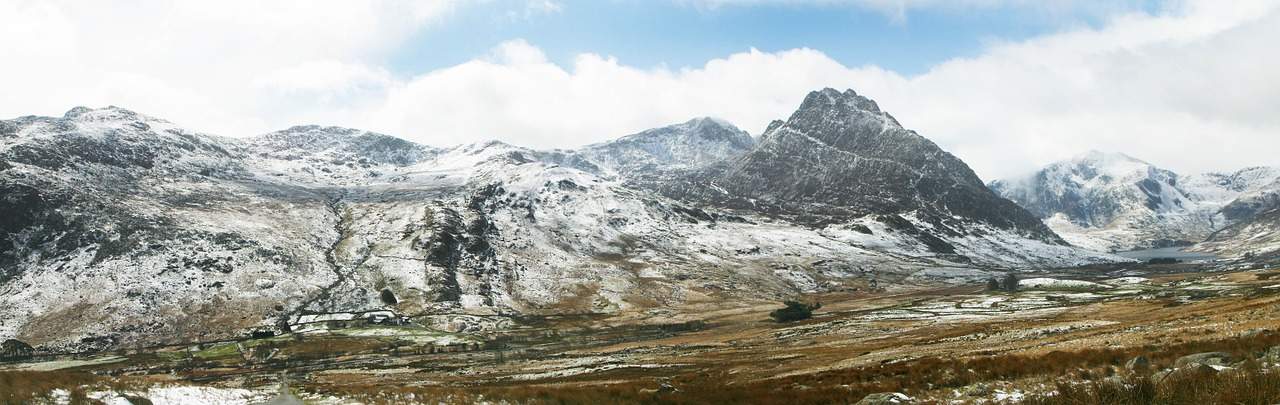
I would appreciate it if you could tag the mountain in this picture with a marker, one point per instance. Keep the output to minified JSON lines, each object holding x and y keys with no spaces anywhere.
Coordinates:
{"x":1256,"y":238}
{"x":695,"y":143}
{"x":839,"y":157}
{"x":1256,"y":199}
{"x":334,"y":155}
{"x":1115,"y":202}
{"x":122,"y":229}
{"x":1254,"y":225}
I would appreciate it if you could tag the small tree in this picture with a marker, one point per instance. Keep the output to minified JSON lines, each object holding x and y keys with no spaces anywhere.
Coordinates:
{"x":794,"y":311}
{"x":1009,"y":282}
{"x":993,"y":284}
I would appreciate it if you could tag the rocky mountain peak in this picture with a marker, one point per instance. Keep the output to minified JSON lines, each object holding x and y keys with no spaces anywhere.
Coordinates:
{"x":693,"y":143}
{"x":121,"y":222}
{"x":831,"y":99}
{"x":92,"y":121}
{"x":103,"y":113}
{"x":839,"y":157}
{"x":1114,"y":201}
{"x":338,"y":144}
{"x":1113,"y":164}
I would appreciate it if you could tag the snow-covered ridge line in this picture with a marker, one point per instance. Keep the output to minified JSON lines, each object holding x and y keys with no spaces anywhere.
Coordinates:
{"x":1112,"y":201}
{"x":127,"y":229}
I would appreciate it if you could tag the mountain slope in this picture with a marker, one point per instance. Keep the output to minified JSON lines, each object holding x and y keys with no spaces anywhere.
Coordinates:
{"x":119,"y":221}
{"x":839,"y":156}
{"x":1254,"y":229}
{"x":1257,"y":238}
{"x":122,"y":229}
{"x":695,"y":143}
{"x":1112,"y":202}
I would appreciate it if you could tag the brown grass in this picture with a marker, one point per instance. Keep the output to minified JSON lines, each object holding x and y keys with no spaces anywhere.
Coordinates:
{"x":21,"y":387}
{"x":846,"y":386}
{"x":1250,"y":385}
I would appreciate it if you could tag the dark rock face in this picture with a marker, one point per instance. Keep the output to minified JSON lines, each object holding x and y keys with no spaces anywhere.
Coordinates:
{"x":1249,"y":206}
{"x":839,"y":155}
{"x":1257,"y":237}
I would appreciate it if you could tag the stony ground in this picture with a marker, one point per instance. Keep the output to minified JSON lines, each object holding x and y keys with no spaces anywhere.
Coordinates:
{"x":955,"y":344}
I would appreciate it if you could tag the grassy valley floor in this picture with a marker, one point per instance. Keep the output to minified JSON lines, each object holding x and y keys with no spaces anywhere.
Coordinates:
{"x":1065,"y":337}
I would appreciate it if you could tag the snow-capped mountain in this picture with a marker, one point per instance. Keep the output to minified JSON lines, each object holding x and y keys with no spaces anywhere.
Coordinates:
{"x":1257,"y":237}
{"x":840,"y":157}
{"x":695,"y":143}
{"x":118,"y":228}
{"x":333,"y":155}
{"x":1254,"y":226}
{"x":1114,"y":202}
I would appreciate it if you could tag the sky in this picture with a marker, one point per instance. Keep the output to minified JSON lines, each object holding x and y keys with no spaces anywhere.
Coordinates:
{"x":1006,"y":85}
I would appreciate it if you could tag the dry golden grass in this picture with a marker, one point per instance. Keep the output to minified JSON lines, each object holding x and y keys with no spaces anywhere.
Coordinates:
{"x":1250,"y":385}
{"x":21,"y":387}
{"x":846,"y":386}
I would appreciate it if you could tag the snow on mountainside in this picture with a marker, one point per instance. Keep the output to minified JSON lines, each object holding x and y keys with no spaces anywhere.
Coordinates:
{"x":839,"y":157}
{"x":333,"y":155}
{"x":1254,"y":228}
{"x":1114,"y":202}
{"x":120,"y":228}
{"x":691,"y":144}
{"x":1257,"y":238}
{"x":114,"y":221}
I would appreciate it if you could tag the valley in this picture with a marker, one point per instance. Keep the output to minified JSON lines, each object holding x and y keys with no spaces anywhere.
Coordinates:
{"x":147,"y":263}
{"x":932,"y":343}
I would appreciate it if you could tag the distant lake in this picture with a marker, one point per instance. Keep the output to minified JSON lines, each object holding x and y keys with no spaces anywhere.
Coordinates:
{"x":1171,"y":252}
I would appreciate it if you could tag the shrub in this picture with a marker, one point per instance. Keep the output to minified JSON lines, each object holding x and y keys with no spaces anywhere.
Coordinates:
{"x":794,"y":311}
{"x":993,"y":284}
{"x":1009,"y":282}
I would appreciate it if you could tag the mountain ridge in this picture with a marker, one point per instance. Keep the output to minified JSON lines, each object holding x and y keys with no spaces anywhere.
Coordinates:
{"x":133,"y":230}
{"x":1112,"y":201}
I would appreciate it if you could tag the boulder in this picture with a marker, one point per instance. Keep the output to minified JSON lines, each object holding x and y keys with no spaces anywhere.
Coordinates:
{"x":1208,"y":359}
{"x":977,"y":390}
{"x":1160,"y":376}
{"x":1272,"y":355}
{"x":1140,"y":363}
{"x":885,"y":398}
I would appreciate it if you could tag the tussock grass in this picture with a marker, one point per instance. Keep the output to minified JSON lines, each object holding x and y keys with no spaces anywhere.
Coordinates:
{"x":847,"y":386}
{"x":1250,"y":385}
{"x":22,"y":387}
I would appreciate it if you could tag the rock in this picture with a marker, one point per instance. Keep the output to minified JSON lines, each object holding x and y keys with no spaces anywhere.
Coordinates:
{"x":1272,"y":355}
{"x":885,"y":398}
{"x":263,"y":284}
{"x":1140,"y":363}
{"x":1160,"y":376}
{"x":1208,"y":359}
{"x":977,"y":390}
{"x":666,"y":387}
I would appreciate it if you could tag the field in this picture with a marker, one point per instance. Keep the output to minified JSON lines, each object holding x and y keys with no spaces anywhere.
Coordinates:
{"x":1063,"y":337}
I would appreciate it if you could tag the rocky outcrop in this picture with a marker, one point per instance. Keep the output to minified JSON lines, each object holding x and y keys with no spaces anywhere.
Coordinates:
{"x":839,"y":156}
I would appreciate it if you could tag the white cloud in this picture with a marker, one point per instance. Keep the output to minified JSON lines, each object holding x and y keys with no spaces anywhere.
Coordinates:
{"x":1192,"y":89}
{"x":217,"y":65}
{"x":898,"y":10}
